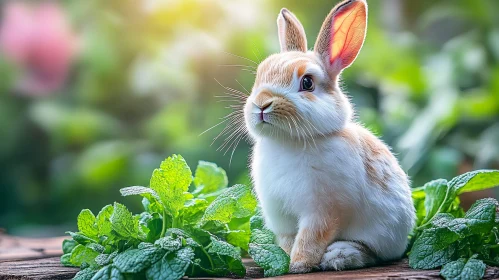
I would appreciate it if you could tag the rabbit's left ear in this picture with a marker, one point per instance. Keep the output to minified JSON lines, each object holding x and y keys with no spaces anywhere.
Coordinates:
{"x":342,"y":35}
{"x":291,"y":33}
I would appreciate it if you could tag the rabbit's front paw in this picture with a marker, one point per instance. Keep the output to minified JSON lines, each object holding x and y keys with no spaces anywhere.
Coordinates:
{"x":300,"y":267}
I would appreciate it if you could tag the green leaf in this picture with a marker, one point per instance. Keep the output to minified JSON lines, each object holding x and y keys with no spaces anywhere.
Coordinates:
{"x":86,"y":223}
{"x":138,"y":190}
{"x":223,"y":248}
{"x":239,"y":238}
{"x":475,"y":181}
{"x":170,"y":181}
{"x":103,"y":221}
{"x":209,"y":179}
{"x":463,"y":269}
{"x":137,"y":260}
{"x":193,"y":210}
{"x":81,"y":238}
{"x":68,"y":246}
{"x":85,"y":274}
{"x":105,"y":259}
{"x":169,"y":243}
{"x":262,"y":236}
{"x":123,"y":222}
{"x":108,"y":273}
{"x":271,"y":258}
{"x":237,"y":201}
{"x":66,"y":259}
{"x":257,"y":222}
{"x":171,"y":266}
{"x":82,"y":254}
{"x":433,"y":248}
{"x":439,"y":197}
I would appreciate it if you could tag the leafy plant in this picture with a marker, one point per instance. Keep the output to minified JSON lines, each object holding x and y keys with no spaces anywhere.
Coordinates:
{"x":201,"y":232}
{"x":447,"y":236}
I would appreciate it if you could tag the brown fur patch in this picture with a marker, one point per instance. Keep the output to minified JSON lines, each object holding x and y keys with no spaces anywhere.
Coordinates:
{"x":310,"y":244}
{"x":263,"y":98}
{"x":301,"y":70}
{"x":310,"y":96}
{"x":277,"y":70}
{"x":284,"y":108}
{"x":379,"y":162}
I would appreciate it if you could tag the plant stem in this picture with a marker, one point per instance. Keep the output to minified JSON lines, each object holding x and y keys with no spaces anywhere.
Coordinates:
{"x":163,"y":229}
{"x":209,"y":258}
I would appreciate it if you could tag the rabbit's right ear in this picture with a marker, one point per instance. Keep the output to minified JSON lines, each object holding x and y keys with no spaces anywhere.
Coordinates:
{"x":342,"y":35}
{"x":291,"y":33}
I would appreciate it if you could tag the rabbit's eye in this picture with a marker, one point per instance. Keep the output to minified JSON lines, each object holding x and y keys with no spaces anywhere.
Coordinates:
{"x":307,"y":83}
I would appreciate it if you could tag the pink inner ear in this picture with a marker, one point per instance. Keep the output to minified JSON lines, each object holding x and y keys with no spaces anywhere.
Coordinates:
{"x":348,"y":30}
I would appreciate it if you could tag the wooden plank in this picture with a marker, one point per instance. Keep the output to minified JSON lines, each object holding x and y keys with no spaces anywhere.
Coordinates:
{"x":37,"y":259}
{"x":21,"y":248}
{"x":36,"y":269}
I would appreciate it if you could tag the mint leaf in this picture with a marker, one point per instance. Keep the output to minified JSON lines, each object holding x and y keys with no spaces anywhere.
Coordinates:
{"x":223,"y":248}
{"x":169,"y":243}
{"x":482,"y":215}
{"x":66,"y":260}
{"x":433,"y":248}
{"x":193,"y":210}
{"x":463,"y":269}
{"x":85,"y":274}
{"x":123,"y":222}
{"x":439,"y":197}
{"x":108,"y":273}
{"x":68,"y":246}
{"x":80,"y":238}
{"x":240,"y":237}
{"x":209,"y":179}
{"x":138,"y":190}
{"x":103,"y":222}
{"x":170,"y":181}
{"x":82,"y":254}
{"x":475,"y":181}
{"x":137,"y":260}
{"x":86,"y":223}
{"x":270,"y":257}
{"x":262,"y":236}
{"x":105,"y":259}
{"x":237,"y":201}
{"x":171,"y":266}
{"x":257,"y":222}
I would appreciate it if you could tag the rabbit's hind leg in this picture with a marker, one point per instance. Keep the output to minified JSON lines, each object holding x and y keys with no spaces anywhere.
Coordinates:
{"x":342,"y":255}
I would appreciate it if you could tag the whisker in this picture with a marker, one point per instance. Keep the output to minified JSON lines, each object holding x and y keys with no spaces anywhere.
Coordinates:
{"x":243,"y":87}
{"x":213,"y":127}
{"x":237,"y":65}
{"x":241,"y":57}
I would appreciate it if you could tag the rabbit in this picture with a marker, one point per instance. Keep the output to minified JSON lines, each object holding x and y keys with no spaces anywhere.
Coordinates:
{"x":333,"y":193}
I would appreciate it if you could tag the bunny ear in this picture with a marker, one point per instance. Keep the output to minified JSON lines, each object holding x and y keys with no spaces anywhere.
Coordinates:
{"x":291,"y":33}
{"x":342,"y":34}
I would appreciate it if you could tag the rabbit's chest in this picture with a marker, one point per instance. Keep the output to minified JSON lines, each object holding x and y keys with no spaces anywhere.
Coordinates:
{"x":288,"y":177}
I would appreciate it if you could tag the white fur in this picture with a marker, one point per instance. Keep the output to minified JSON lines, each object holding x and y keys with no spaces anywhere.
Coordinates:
{"x":300,"y":175}
{"x":295,"y":184}
{"x":323,"y":180}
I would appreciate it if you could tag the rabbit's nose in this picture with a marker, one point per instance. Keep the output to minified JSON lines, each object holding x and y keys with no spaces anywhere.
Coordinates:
{"x":263,"y":100}
{"x":260,"y":107}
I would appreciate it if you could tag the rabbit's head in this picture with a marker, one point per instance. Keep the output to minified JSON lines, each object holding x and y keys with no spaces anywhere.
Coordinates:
{"x":296,"y":94}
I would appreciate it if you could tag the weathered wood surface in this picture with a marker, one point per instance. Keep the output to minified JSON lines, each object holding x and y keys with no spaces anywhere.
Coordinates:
{"x":36,"y":259}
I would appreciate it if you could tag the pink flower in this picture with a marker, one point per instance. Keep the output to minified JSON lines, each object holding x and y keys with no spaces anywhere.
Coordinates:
{"x":39,"y":39}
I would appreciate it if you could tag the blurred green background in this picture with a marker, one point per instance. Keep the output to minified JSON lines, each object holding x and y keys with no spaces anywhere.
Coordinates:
{"x":94,"y":94}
